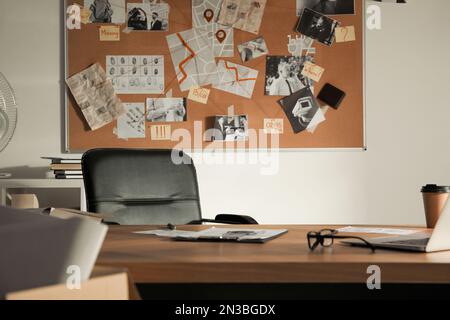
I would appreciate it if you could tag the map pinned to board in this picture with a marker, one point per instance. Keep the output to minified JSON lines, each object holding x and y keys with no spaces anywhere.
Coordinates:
{"x":236,"y":79}
{"x":205,"y":12}
{"x":221,"y":39}
{"x":193,"y":58}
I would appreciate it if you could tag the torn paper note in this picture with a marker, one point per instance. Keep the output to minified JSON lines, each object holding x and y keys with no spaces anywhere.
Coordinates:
{"x":200,"y":95}
{"x":312,"y":71}
{"x":236,"y":79}
{"x":273,"y":126}
{"x":132,"y":123}
{"x":109,"y":33}
{"x":161,"y":132}
{"x":345,"y":34}
{"x":95,"y":96}
{"x":245,"y":15}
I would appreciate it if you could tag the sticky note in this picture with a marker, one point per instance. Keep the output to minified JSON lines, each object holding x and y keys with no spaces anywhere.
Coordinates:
{"x":161,"y":133}
{"x":85,"y":15}
{"x":109,"y":33}
{"x":345,"y":34}
{"x":312,"y":71}
{"x":273,"y":126}
{"x":200,"y":95}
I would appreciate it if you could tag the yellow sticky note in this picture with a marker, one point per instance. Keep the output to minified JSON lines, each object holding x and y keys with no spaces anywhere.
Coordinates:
{"x":312,"y":71}
{"x":109,"y":33}
{"x":345,"y":34}
{"x":273,"y":126}
{"x":200,"y":95}
{"x":85,"y":15}
{"x":161,"y":133}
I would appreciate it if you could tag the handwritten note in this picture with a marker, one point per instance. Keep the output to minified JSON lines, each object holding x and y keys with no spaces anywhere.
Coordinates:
{"x":109,"y":33}
{"x":161,"y":132}
{"x":85,"y":15}
{"x":200,"y":95}
{"x":345,"y":34}
{"x":273,"y":126}
{"x":313,"y":71}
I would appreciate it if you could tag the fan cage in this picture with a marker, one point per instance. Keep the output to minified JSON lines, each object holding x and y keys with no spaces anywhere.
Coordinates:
{"x":9,"y":106}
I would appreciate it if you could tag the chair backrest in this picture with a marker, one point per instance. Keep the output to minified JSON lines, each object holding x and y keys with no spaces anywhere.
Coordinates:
{"x":141,"y":187}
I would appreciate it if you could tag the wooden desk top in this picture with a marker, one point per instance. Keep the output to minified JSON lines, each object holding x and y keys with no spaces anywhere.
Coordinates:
{"x":284,"y":260}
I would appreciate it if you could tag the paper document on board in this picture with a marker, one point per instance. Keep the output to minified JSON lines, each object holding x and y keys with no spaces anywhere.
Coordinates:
{"x":95,"y":97}
{"x":399,"y":232}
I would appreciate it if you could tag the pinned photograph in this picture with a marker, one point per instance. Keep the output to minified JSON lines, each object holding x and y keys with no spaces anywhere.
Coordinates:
{"x":300,"y":109}
{"x":284,"y":75}
{"x":327,"y":7}
{"x":317,"y":26}
{"x":231,"y":128}
{"x":166,"y":110}
{"x":106,"y":11}
{"x":148,"y":17}
{"x":253,"y":49}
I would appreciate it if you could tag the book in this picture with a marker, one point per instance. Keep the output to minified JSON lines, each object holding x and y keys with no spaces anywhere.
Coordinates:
{"x":66,"y":166}
{"x":67,"y":176}
{"x":62,"y":160}
{"x":69,"y":172}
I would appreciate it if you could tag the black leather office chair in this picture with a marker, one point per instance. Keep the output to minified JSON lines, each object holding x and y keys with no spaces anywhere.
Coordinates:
{"x":145,"y":187}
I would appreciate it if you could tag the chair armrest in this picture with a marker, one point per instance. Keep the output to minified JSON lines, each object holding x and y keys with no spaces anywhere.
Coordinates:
{"x":235,"y":219}
{"x":227,"y":219}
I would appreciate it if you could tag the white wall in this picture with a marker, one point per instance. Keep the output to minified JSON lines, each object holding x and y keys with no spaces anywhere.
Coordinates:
{"x":407,"y":124}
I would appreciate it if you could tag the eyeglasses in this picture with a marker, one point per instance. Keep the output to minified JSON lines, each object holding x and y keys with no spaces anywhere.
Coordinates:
{"x":326,"y":237}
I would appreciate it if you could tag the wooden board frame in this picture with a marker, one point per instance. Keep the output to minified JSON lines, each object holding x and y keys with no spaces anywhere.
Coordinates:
{"x":73,"y":119}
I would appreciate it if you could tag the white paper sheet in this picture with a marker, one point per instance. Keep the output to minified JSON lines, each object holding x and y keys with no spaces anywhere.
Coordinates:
{"x":398,"y":232}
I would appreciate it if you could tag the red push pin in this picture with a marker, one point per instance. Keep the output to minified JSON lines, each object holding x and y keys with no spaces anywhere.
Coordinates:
{"x":221,"y":35}
{"x":209,"y":15}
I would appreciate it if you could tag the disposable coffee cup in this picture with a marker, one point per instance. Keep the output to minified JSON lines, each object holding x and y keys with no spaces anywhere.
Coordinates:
{"x":434,"y":200}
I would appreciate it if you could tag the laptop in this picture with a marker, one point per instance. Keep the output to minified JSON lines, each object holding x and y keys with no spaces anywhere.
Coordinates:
{"x":437,"y":240}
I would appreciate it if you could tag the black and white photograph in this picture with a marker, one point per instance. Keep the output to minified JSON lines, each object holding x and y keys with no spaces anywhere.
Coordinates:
{"x":327,"y":7}
{"x":166,"y":109}
{"x":106,"y":11}
{"x":317,"y":26}
{"x":231,"y":128}
{"x":253,"y":49}
{"x":148,"y":17}
{"x":300,"y":109}
{"x":284,"y":75}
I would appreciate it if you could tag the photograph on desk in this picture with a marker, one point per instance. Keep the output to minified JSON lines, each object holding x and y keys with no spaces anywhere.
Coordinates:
{"x":317,"y":26}
{"x":166,"y":109}
{"x":284,"y":75}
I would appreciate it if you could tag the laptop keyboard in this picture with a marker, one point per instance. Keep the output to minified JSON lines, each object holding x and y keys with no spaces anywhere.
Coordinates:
{"x":411,"y":242}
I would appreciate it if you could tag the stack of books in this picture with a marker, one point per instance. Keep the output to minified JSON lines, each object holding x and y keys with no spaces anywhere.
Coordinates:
{"x":65,"y":168}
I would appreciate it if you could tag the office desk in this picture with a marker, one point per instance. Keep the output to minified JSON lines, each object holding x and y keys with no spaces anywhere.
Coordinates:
{"x":285,"y":260}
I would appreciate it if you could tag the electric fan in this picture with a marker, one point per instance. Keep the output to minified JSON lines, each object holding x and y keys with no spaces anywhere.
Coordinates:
{"x":8,"y":112}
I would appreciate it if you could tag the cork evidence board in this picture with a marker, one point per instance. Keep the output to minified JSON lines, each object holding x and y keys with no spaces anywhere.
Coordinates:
{"x":343,"y":64}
